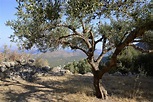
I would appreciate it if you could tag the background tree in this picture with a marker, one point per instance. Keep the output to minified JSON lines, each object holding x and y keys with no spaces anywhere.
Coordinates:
{"x":82,"y":24}
{"x":148,"y":39}
{"x":126,"y":60}
{"x":132,"y":60}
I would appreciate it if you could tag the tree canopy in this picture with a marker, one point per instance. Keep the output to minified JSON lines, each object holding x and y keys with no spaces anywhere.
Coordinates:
{"x":82,"y":24}
{"x":48,"y":24}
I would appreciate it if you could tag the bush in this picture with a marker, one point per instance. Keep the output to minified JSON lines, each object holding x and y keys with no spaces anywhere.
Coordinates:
{"x":40,"y":62}
{"x":126,"y":60}
{"x":81,"y":67}
{"x":1,"y":57}
{"x":9,"y":55}
{"x":131,"y":60}
{"x":145,"y":63}
{"x":13,"y":56}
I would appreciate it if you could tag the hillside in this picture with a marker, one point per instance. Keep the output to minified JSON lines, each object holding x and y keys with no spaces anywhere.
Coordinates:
{"x":61,"y":57}
{"x":56,"y":58}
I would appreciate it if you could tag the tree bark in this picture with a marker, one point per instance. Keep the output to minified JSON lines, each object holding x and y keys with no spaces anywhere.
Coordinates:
{"x":100,"y":90}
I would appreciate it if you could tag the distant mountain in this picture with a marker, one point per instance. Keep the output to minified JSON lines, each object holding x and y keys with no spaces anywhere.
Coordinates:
{"x":143,"y":45}
{"x":58,"y":57}
{"x":61,"y":57}
{"x":62,"y":53}
{"x":15,"y":48}
{"x":36,"y":51}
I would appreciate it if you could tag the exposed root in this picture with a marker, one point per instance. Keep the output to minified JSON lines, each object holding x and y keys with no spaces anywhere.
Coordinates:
{"x":103,"y":93}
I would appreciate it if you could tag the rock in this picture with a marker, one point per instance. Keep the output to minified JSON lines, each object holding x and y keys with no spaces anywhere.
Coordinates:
{"x":68,"y":72}
{"x":46,"y":68}
{"x":58,"y":74}
{"x":38,"y":75}
{"x":27,"y":76}
{"x":2,"y":75}
{"x":117,"y":74}
{"x":19,"y":62}
{"x":88,"y":74}
{"x":6,"y":64}
{"x":56,"y":69}
{"x":130,"y":74}
{"x":31,"y":60}
{"x":106,"y":74}
{"x":64,"y":72}
{"x":12,"y":64}
{"x":3,"y":69}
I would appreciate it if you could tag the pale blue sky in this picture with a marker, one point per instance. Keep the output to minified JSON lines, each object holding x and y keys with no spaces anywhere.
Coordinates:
{"x":7,"y":11}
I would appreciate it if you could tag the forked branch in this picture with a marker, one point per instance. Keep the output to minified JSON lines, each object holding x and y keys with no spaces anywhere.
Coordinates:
{"x":74,"y":46}
{"x":103,"y":51}
{"x":132,"y":35}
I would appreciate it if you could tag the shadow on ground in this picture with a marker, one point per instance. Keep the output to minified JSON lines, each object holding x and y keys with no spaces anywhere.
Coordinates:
{"x":74,"y":88}
{"x":46,"y":89}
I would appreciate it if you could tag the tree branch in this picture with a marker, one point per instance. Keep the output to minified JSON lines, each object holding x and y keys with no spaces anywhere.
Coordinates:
{"x":75,"y":34}
{"x":92,"y":38}
{"x":69,"y":27}
{"x":70,"y":35}
{"x":83,"y":26}
{"x":138,"y":41}
{"x":74,"y":46}
{"x":103,"y":51}
{"x":99,"y":40}
{"x":124,"y":36}
{"x":92,"y":47}
{"x":112,"y":62}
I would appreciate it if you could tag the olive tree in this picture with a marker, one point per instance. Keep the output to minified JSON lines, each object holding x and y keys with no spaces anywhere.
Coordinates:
{"x":82,"y":24}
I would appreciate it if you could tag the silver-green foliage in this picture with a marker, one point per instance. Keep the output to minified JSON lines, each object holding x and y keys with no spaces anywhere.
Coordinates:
{"x":50,"y":24}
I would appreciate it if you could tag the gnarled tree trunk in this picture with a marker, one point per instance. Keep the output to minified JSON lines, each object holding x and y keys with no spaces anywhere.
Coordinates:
{"x":100,"y":90}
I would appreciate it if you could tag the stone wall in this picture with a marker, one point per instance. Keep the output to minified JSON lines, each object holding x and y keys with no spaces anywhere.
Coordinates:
{"x":21,"y":68}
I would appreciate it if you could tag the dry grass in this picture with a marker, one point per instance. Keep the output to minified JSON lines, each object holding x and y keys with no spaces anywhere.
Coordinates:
{"x":130,"y":89}
{"x":76,"y":88}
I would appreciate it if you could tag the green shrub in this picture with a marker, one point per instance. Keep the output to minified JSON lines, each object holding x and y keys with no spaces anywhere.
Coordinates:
{"x":135,"y":62}
{"x":81,"y":67}
{"x":145,"y":61}
{"x":70,"y":67}
{"x":126,"y":60}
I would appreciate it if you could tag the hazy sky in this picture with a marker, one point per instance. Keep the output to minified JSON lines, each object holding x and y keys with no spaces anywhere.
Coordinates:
{"x":7,"y":11}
